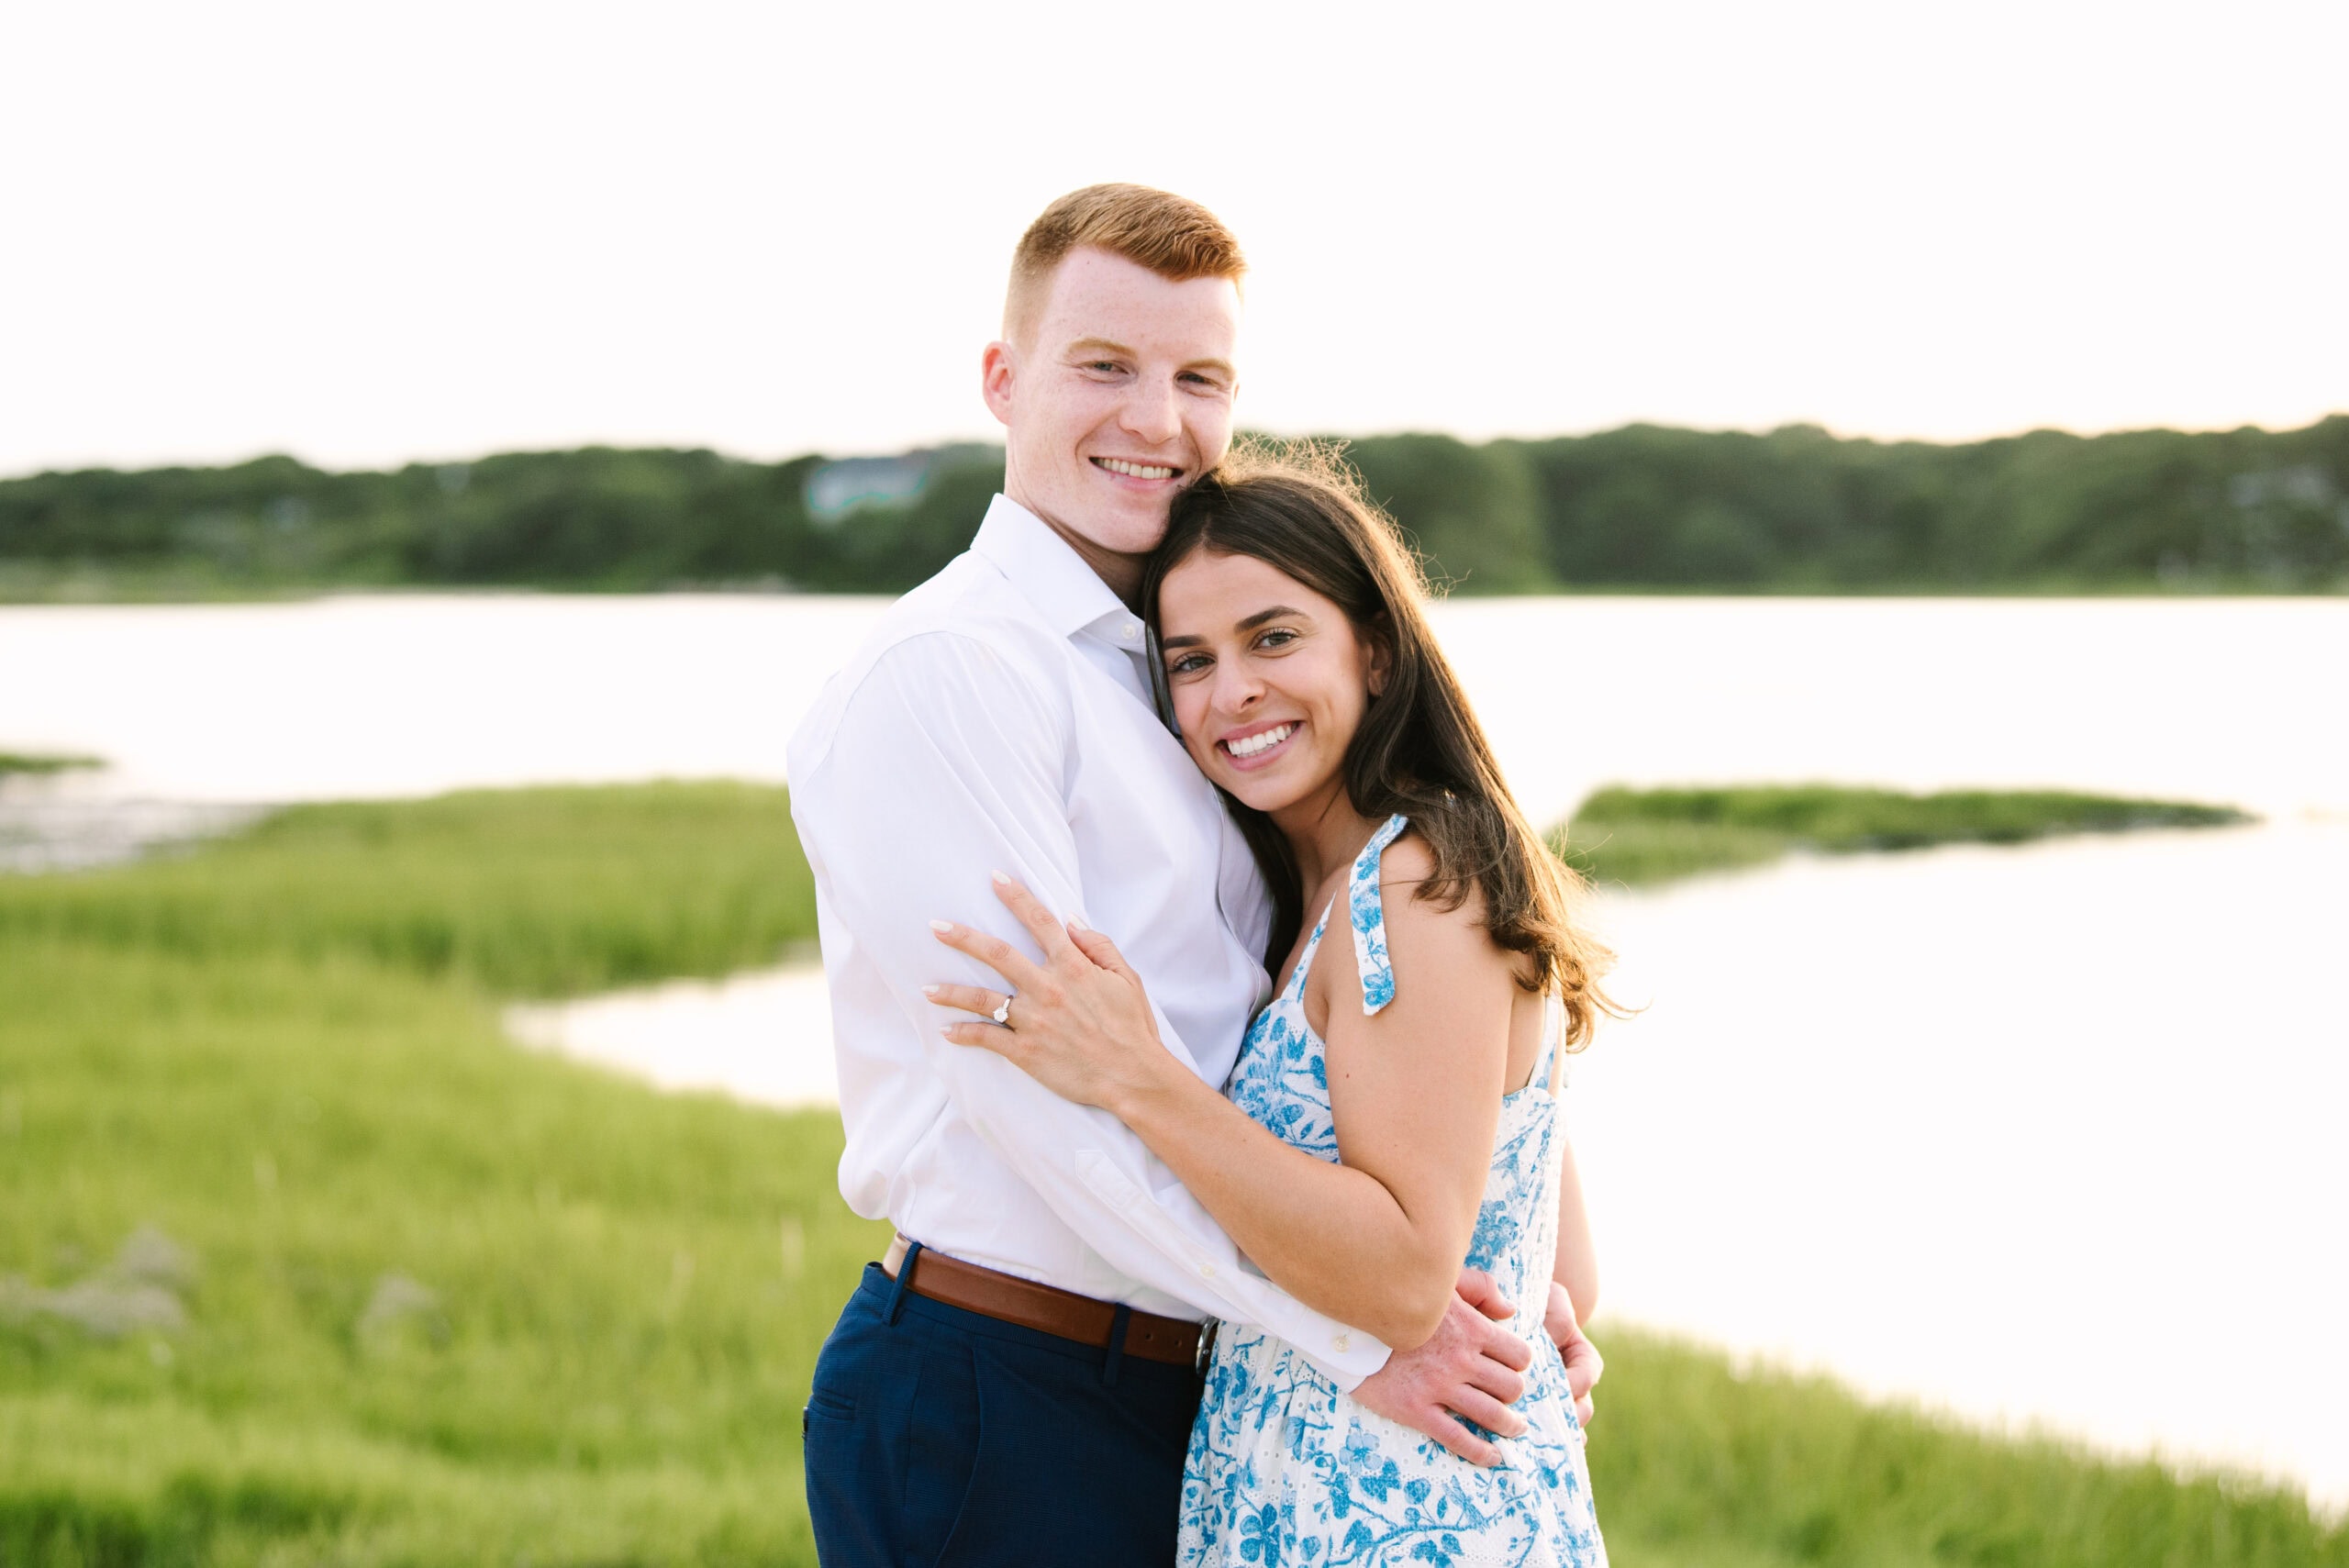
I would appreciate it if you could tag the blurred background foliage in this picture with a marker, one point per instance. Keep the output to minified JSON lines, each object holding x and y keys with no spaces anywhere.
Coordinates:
{"x":1644,"y":507}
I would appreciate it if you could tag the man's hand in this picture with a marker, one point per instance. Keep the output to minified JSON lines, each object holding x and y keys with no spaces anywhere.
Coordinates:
{"x":1472,"y":1369}
{"x":1585,"y":1366}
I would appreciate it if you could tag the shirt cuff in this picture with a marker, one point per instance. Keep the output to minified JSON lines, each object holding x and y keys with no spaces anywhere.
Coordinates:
{"x":1345,"y":1355}
{"x":1350,"y":1358}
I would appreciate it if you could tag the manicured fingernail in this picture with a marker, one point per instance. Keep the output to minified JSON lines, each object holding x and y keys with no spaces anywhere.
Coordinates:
{"x":1078,"y":921}
{"x":941,"y":926}
{"x":1000,"y":879}
{"x":930,"y":990}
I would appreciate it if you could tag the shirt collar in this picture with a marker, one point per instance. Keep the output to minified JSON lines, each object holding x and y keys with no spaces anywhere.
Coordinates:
{"x":1046,"y":568}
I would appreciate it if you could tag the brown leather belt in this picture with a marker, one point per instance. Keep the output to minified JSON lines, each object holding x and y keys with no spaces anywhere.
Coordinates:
{"x":1046,"y":1308}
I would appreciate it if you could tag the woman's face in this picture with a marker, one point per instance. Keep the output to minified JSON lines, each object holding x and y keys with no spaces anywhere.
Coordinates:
{"x":1269,"y":678}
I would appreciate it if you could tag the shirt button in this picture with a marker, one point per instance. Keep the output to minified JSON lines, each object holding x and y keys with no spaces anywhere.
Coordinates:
{"x":1343,"y":1343}
{"x":1206,"y":1271}
{"x":1133,"y":628}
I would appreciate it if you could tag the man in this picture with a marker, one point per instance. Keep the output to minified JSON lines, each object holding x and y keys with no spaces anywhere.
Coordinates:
{"x":1016,"y":1383}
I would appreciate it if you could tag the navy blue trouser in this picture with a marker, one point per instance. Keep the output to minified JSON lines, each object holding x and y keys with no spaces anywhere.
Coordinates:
{"x":939,"y":1436}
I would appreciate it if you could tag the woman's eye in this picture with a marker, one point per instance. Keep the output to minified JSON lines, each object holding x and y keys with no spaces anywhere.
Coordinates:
{"x":1277,"y":639}
{"x":1188,"y":663}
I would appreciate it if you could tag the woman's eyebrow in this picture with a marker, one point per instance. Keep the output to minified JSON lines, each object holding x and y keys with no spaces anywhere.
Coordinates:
{"x":1251,"y":624}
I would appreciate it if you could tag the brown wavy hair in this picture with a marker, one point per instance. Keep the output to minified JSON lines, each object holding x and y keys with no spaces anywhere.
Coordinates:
{"x":1419,"y":750}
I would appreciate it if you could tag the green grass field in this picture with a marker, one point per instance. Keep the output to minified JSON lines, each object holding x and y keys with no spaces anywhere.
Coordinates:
{"x":1643,"y":836}
{"x":428,"y":1299}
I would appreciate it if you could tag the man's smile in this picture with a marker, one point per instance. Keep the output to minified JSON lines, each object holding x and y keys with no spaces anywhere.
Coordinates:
{"x":1135,"y":470}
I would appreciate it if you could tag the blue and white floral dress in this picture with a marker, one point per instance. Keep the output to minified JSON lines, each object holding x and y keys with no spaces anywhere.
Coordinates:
{"x":1287,"y":1471}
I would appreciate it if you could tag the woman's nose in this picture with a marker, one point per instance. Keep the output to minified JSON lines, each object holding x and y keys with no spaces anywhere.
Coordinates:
{"x":1235,"y":689}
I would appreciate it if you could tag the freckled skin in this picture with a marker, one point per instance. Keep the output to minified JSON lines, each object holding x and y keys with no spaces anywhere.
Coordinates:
{"x":1118,"y":363}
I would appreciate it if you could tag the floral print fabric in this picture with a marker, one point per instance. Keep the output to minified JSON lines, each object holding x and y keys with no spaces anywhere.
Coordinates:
{"x":1287,"y":1471}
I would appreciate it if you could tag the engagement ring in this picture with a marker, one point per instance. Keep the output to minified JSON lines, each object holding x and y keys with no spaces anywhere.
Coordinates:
{"x":1003,"y":1014}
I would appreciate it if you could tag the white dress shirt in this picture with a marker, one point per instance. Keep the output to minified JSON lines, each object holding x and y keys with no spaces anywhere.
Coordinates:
{"x":1000,"y":718}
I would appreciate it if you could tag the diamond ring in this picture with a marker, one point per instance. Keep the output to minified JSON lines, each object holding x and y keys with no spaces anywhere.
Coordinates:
{"x":1003,"y":1014}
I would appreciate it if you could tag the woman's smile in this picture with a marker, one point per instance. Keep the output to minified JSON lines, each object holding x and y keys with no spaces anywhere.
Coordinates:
{"x":1258,"y":745}
{"x":1269,"y":678}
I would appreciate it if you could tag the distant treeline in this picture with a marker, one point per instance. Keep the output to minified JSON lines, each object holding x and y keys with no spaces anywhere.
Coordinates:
{"x":1642,"y":508}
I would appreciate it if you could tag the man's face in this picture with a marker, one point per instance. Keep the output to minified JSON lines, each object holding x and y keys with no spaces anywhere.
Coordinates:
{"x":1119,"y":396}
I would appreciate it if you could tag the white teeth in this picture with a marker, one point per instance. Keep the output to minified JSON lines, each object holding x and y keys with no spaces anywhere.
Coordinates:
{"x":1250,"y":745}
{"x":1134,"y":469}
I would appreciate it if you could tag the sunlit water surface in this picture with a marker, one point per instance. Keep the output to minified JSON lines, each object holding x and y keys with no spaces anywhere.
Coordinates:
{"x":2229,"y":700}
{"x":2045,"y":1134}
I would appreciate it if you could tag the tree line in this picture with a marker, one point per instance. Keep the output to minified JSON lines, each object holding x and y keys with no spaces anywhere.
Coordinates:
{"x":1644,"y":507}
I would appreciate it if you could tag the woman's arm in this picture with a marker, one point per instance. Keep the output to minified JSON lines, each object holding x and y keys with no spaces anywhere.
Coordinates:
{"x":1415,"y":1092}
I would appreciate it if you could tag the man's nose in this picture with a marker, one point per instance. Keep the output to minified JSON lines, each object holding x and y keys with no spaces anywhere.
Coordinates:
{"x":1150,"y":413}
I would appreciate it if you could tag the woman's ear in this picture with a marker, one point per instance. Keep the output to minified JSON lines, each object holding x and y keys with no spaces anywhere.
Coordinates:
{"x":1382,"y":655}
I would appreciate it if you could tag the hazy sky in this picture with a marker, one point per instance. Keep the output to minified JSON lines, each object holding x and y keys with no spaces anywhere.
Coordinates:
{"x":367,"y":233}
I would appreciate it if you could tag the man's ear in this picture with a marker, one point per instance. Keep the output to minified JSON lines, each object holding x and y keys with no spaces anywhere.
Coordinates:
{"x":997,"y":367}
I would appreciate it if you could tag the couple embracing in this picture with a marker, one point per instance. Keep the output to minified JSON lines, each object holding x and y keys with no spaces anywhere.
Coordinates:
{"x":1200,"y":997}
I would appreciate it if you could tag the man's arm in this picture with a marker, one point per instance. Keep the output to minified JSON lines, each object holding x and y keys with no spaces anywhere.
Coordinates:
{"x":947,"y":765}
{"x":1574,"y":1288}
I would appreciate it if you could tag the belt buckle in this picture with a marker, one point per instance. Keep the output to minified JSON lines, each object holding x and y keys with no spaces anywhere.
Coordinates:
{"x":1200,"y":1351}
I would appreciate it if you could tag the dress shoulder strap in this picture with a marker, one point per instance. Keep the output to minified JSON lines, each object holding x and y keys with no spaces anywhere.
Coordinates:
{"x":1553,"y":1044}
{"x":1367,"y":913}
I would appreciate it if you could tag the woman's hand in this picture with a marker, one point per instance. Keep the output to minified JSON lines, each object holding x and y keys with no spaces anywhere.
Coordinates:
{"x":1079,"y":1023}
{"x":1585,"y":1366}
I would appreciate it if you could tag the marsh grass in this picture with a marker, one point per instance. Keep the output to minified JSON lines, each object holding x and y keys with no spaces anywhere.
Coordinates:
{"x":628,"y":1289}
{"x":544,"y":892}
{"x":37,"y":762}
{"x":1698,"y":1462}
{"x":281,"y":1051}
{"x":450,"y":1303}
{"x":1643,"y":836}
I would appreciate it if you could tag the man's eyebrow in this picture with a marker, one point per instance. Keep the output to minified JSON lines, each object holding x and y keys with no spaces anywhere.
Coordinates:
{"x":1084,"y":346}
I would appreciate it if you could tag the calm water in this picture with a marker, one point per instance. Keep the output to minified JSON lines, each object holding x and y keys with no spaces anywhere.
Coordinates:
{"x":2228,"y":700}
{"x":2035,"y":1135}
{"x":2049,"y":1133}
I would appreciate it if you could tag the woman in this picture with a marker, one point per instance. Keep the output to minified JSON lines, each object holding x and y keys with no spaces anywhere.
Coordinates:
{"x":1389,"y":1116}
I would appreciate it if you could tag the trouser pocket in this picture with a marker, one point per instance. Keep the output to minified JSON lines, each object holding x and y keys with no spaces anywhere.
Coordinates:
{"x":890,"y":1438}
{"x":1071,"y":1472}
